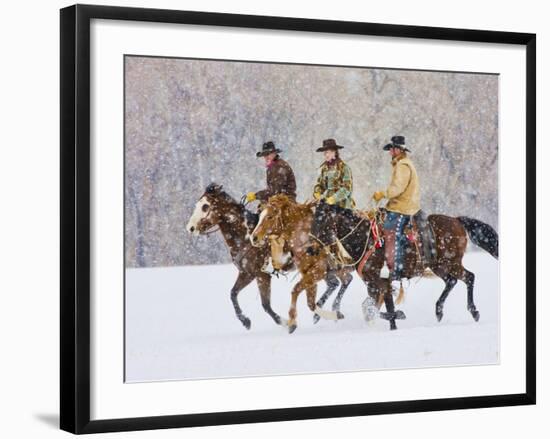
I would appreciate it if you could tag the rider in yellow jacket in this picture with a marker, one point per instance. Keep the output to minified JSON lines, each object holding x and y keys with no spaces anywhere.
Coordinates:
{"x":403,"y":195}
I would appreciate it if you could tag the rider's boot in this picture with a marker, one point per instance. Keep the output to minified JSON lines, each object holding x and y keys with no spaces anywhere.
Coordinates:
{"x":268,"y":266}
{"x":389,"y":250}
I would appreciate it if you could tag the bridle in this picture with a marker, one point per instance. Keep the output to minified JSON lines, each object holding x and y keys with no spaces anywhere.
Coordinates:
{"x":216,"y":226}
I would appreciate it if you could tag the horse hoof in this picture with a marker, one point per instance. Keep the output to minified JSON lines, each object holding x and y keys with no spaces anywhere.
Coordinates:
{"x":387,"y":315}
{"x":384,"y":315}
{"x":292,"y":328}
{"x":439,"y":312}
{"x":246,"y":322}
{"x":339,"y":315}
{"x":475,"y":315}
{"x":316,"y":318}
{"x":400,"y":315}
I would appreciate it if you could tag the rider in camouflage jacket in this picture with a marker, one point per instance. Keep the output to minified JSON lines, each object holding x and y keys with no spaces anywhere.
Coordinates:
{"x":335,"y":182}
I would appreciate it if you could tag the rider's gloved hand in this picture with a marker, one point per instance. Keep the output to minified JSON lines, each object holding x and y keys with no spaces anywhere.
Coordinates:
{"x":331,"y":200}
{"x":317,"y":195}
{"x":251,"y":196}
{"x":378,"y":195}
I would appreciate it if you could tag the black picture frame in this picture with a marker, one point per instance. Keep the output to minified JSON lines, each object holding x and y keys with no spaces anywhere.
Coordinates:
{"x":75,"y":217}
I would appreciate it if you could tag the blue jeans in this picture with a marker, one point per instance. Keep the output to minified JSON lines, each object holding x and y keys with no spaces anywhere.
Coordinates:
{"x":398,"y":222}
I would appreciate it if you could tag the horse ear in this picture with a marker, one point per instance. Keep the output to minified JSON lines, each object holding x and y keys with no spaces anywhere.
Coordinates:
{"x":212,"y":188}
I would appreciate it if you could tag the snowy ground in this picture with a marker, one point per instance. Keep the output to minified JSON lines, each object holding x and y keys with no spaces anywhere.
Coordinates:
{"x":180,"y":324}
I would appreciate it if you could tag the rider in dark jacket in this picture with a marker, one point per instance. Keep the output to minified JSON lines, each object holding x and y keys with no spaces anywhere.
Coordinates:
{"x":279,"y":180}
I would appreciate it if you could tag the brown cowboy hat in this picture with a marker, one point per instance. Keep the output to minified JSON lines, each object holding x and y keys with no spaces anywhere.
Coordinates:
{"x":267,"y":148}
{"x":329,"y":144}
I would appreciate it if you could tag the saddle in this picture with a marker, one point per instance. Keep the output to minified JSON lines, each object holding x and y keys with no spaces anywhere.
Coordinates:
{"x":420,"y":234}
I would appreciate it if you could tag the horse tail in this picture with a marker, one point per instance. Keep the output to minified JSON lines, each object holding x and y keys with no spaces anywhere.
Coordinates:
{"x":481,"y":234}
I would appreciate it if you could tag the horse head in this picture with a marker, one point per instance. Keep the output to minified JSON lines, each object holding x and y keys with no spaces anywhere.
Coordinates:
{"x":270,"y":222}
{"x":213,"y":207}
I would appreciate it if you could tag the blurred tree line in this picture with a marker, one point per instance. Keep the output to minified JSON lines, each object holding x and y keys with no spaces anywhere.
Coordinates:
{"x":192,"y":122}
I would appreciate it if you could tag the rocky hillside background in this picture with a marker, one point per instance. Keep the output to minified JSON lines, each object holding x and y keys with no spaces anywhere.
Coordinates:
{"x":192,"y":122}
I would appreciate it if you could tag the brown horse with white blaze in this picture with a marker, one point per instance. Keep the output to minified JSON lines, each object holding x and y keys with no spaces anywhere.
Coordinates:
{"x":216,"y":210}
{"x":283,"y":218}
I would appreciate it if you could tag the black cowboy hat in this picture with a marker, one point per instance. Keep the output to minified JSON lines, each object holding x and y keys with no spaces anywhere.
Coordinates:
{"x":329,"y":144}
{"x":396,"y":142}
{"x":267,"y":148}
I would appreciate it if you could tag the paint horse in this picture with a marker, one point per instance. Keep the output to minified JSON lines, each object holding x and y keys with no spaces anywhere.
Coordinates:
{"x":216,"y":210}
{"x":355,"y":234}
{"x":283,"y":218}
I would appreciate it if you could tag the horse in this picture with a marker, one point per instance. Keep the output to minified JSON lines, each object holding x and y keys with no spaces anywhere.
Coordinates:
{"x":357,"y":234}
{"x":283,"y":218}
{"x":216,"y":210}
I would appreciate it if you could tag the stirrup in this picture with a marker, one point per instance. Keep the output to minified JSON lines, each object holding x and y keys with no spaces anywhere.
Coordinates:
{"x":268,"y":267}
{"x":396,"y":276}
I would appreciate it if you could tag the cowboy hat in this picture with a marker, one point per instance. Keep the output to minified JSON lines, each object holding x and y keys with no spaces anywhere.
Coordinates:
{"x":329,"y":144}
{"x":267,"y":148}
{"x":396,"y":142}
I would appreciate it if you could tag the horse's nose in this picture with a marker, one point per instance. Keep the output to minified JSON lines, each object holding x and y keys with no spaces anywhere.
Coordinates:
{"x":192,"y":229}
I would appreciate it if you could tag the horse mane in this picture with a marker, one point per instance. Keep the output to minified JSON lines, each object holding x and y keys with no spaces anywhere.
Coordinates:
{"x":229,"y":199}
{"x":281,"y":201}
{"x":347,"y":213}
{"x":218,"y":191}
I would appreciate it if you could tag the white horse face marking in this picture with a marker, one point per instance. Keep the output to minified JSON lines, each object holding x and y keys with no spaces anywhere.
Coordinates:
{"x":263,"y":214}
{"x":201,"y":211}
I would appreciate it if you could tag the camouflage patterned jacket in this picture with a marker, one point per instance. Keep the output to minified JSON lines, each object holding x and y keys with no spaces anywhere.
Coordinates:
{"x":336,"y":181}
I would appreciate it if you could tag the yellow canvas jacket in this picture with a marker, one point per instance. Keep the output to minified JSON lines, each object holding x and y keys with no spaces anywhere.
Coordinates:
{"x":403,"y":193}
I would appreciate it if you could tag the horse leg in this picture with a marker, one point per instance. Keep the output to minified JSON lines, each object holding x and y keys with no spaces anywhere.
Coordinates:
{"x":469,"y":278}
{"x":242,"y":281}
{"x":371,"y":305}
{"x":292,"y":313}
{"x":390,"y":307}
{"x":311,"y":294}
{"x":391,"y":314}
{"x":332,"y":284}
{"x":450,"y":282}
{"x":264,"y":284}
{"x":346,"y":279}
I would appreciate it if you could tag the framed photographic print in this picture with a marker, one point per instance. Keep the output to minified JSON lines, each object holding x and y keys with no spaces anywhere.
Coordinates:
{"x":269,"y":218}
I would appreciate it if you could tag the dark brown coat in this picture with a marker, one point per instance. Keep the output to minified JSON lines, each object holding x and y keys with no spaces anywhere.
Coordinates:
{"x":280,"y":180}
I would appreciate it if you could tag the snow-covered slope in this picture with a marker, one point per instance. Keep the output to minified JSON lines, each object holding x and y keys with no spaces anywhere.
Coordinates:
{"x":180,"y":324}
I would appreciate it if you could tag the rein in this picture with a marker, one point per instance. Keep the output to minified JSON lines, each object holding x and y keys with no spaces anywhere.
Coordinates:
{"x":216,"y":227}
{"x":212,"y":229}
{"x":347,"y":235}
{"x":365,"y":254}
